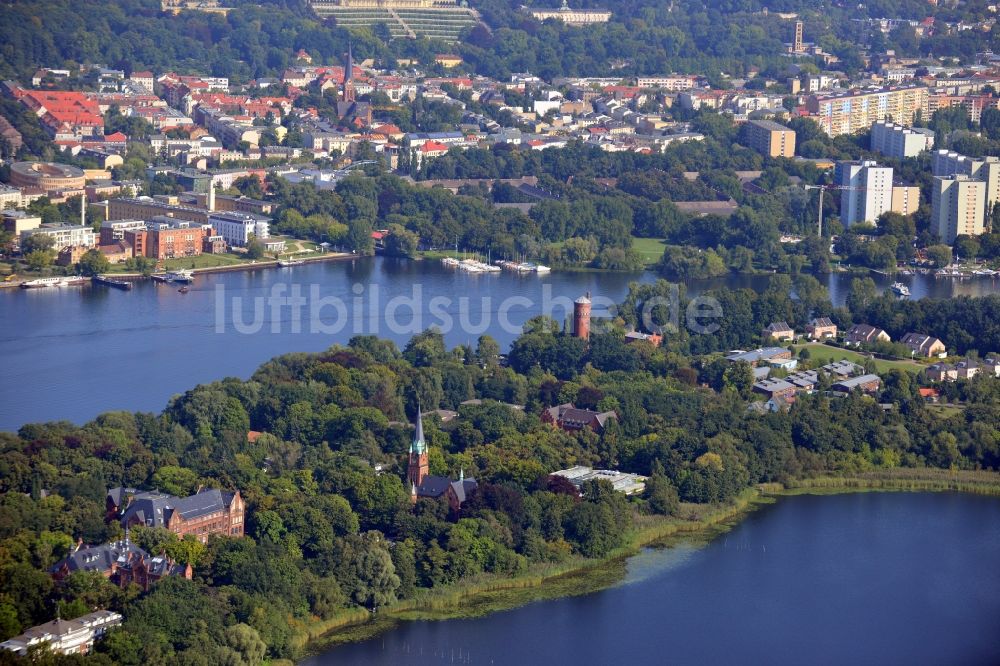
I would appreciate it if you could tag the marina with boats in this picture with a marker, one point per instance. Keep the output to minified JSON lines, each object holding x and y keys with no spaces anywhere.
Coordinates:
{"x":475,"y":266}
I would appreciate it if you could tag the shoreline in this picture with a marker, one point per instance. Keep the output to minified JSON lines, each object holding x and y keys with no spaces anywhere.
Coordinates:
{"x":231,"y":268}
{"x":580,"y":576}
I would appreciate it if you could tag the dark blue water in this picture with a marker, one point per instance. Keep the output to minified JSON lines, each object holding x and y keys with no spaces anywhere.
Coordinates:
{"x":877,"y":578}
{"x":73,"y":353}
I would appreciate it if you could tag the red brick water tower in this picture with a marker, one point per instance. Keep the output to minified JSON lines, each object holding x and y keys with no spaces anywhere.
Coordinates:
{"x":581,"y":317}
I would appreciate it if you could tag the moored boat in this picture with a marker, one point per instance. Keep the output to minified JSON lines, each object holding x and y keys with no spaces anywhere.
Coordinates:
{"x":180,"y":275}
{"x":124,"y":285}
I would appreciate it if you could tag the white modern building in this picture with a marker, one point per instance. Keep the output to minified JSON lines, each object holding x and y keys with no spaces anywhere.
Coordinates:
{"x":65,"y":235}
{"x":958,"y":207}
{"x":623,"y":482}
{"x":236,"y":228}
{"x":65,"y":636}
{"x":898,"y":142}
{"x":866,"y":193}
{"x":946,"y":163}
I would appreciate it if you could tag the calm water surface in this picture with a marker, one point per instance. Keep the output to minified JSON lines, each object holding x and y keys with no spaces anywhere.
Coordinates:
{"x":877,"y":578}
{"x":73,"y":353}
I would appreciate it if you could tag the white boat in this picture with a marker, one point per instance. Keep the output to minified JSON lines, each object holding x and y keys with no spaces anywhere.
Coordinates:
{"x":542,"y":269}
{"x":289,"y":262}
{"x":180,"y":275}
{"x":42,"y":282}
{"x":450,"y":262}
{"x":900,"y":289}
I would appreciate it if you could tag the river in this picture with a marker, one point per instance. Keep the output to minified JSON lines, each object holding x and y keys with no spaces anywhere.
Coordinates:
{"x":72,"y":353}
{"x":868,"y":578}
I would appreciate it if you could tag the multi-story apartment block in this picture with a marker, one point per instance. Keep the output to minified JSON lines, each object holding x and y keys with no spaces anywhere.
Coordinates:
{"x":237,"y":228}
{"x":866,"y":191}
{"x":986,"y":169}
{"x":65,"y":235}
{"x":905,"y":199}
{"x":898,"y":141}
{"x":673,"y":83}
{"x":166,"y":241}
{"x":855,"y":111}
{"x":769,"y":138}
{"x":113,"y":231}
{"x":958,"y":206}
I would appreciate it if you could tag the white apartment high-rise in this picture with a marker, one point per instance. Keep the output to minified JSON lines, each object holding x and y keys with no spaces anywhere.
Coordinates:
{"x":897,"y":141}
{"x":866,"y":193}
{"x":958,"y":207}
{"x":946,"y":163}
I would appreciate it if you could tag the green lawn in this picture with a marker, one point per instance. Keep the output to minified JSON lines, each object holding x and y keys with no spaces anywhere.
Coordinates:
{"x":825,"y":353}
{"x":650,"y":249}
{"x":205,"y":261}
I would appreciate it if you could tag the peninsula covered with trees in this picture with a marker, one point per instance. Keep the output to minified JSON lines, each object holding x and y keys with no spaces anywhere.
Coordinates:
{"x":317,"y":445}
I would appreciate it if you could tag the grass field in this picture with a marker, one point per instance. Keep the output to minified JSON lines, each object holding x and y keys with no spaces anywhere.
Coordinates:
{"x":650,"y":249}
{"x":820,"y":352}
{"x":204,"y":261}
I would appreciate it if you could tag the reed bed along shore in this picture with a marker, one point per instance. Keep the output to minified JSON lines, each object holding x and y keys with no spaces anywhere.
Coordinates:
{"x":696,"y":524}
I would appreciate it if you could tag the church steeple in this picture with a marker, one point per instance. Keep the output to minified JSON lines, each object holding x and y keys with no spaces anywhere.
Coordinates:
{"x":419,"y":465}
{"x":418,"y":445}
{"x":348,"y":91}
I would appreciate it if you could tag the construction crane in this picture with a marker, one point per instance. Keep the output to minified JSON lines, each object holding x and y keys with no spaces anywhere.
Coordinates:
{"x":824,"y":188}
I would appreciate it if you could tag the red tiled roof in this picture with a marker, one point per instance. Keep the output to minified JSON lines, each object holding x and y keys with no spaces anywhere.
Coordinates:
{"x":433,"y":146}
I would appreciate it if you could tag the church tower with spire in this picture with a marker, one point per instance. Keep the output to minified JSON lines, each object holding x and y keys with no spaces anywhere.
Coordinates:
{"x":348,"y":91}
{"x":419,"y":466}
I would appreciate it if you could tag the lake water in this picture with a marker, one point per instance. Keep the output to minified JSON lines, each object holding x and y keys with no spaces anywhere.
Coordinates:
{"x":876,"y":578}
{"x":73,"y":353}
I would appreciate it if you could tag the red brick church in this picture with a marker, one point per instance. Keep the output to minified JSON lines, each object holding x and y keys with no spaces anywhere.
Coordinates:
{"x":422,"y":484}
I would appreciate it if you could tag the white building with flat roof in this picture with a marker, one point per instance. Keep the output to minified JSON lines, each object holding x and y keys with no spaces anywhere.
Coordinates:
{"x":623,"y":482}
{"x":866,"y":191}
{"x":898,"y":142}
{"x":958,"y":207}
{"x":237,"y":228}
{"x":65,"y":235}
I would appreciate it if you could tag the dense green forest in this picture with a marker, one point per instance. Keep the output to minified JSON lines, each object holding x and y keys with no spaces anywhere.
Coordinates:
{"x":328,"y":532}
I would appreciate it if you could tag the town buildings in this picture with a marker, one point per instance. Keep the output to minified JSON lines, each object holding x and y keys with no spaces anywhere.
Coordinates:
{"x":856,"y":110}
{"x":238,"y":228}
{"x":207,"y":512}
{"x":959,"y":204}
{"x":65,"y":636}
{"x":17,"y":222}
{"x":163,"y":240}
{"x":47,"y":176}
{"x":769,"y":138}
{"x":898,"y":141}
{"x":866,"y":191}
{"x":65,"y":235}
{"x":958,"y":207}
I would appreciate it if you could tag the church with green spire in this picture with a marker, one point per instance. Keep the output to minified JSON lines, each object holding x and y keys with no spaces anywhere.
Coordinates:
{"x":423,"y":484}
